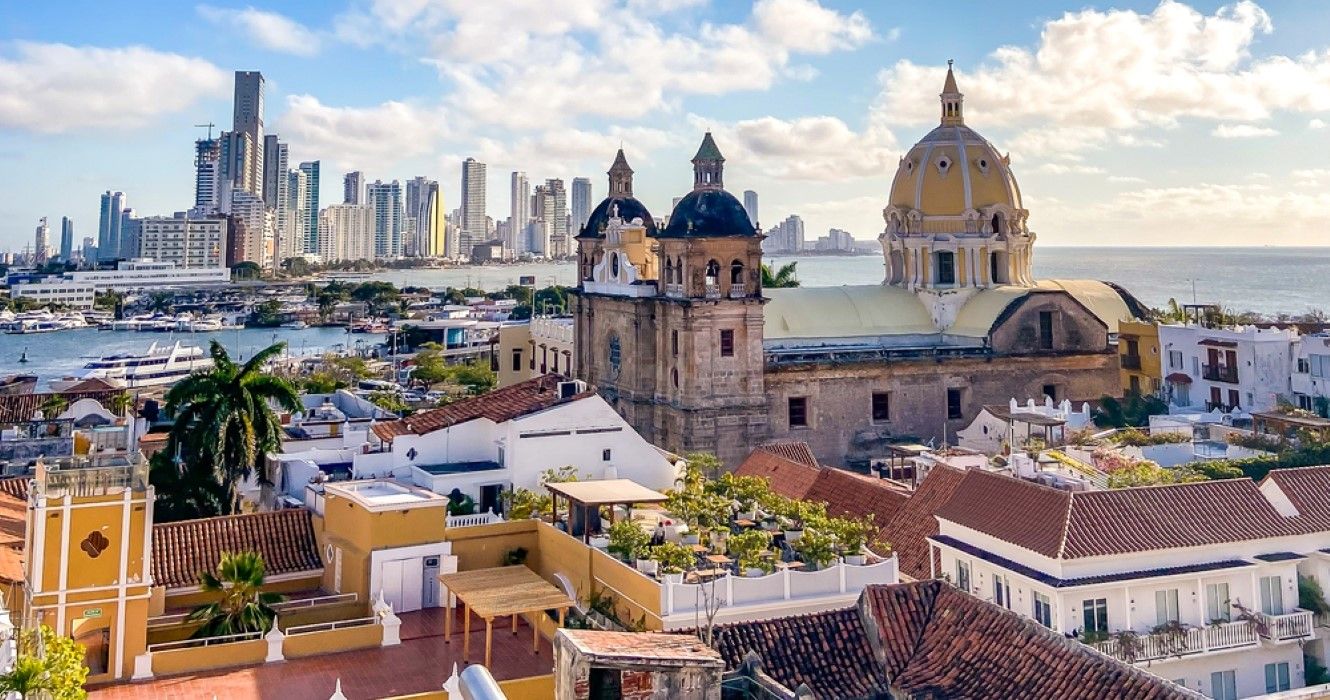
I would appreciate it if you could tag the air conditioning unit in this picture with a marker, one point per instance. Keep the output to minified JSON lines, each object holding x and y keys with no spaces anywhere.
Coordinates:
{"x":569,"y":389}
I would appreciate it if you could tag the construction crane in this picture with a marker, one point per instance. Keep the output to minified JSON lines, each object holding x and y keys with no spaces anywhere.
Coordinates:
{"x":209,"y":125}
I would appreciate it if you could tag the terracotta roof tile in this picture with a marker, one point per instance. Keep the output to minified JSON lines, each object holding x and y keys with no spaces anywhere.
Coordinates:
{"x":1308,"y":489}
{"x":788,"y":477}
{"x":19,"y":408}
{"x":858,"y":495}
{"x":936,"y":641}
{"x":500,"y":405}
{"x":285,"y":538}
{"x":914,"y":522}
{"x":1085,"y":524}
{"x":13,"y":522}
{"x":793,"y":450}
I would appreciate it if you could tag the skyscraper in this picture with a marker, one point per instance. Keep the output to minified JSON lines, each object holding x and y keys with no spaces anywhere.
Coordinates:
{"x":254,"y":235}
{"x":750,"y":206}
{"x":66,"y":239}
{"x":432,"y":226}
{"x":108,"y":230}
{"x":540,"y":228}
{"x":275,"y":157}
{"x":207,"y":170}
{"x":297,"y":211}
{"x":247,"y":118}
{"x":346,"y":232}
{"x":308,"y":223}
{"x":556,"y":217}
{"x":89,"y":250}
{"x":235,"y":168}
{"x":417,"y":198}
{"x":385,"y":202}
{"x":581,"y":204}
{"x":41,"y":245}
{"x":131,"y":226}
{"x":353,"y":187}
{"x":474,"y":227}
{"x":519,"y":214}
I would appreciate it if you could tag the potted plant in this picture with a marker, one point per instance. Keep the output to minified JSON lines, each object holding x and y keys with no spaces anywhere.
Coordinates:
{"x":852,"y":535}
{"x":673,"y":559}
{"x":816,"y":547}
{"x":748,"y":547}
{"x":627,"y":540}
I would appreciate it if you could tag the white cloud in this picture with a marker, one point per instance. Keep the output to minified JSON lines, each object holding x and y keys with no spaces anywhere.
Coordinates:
{"x":1316,"y":124}
{"x":805,"y":26}
{"x":269,"y":30}
{"x":361,"y":137}
{"x":1069,"y":169}
{"x":1118,"y":72}
{"x":56,"y":88}
{"x":1127,"y":179}
{"x":1242,"y":131}
{"x":819,"y":148}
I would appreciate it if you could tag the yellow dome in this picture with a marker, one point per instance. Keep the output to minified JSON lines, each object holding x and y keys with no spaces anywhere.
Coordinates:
{"x":953,"y":169}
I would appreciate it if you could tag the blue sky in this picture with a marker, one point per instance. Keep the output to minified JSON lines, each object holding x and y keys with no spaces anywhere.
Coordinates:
{"x":1135,"y":123}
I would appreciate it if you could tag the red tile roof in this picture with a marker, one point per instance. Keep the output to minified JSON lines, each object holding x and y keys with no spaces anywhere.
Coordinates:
{"x":913,"y":524}
{"x":1308,"y":489}
{"x":285,"y":538}
{"x":19,"y":408}
{"x":793,"y":450}
{"x":929,"y":640}
{"x":938,"y":642}
{"x":500,"y":405}
{"x":788,"y":477}
{"x":858,"y":495}
{"x":13,"y":526}
{"x":1069,"y":525}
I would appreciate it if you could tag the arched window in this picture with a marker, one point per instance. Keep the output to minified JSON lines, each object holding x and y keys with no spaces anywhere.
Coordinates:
{"x":614,"y":265}
{"x":997,"y":223}
{"x":998,"y":268}
{"x":669,"y":270}
{"x":736,"y":274}
{"x":713,"y":272}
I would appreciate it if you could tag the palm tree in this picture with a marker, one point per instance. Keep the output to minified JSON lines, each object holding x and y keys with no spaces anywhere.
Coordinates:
{"x":225,"y":422}
{"x":54,"y":405}
{"x":241,"y":605}
{"x":784,"y":277}
{"x":120,"y":404}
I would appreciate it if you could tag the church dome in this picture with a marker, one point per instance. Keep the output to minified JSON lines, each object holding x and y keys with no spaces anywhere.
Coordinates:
{"x":953,"y":169}
{"x":709,"y":213}
{"x":629,"y":208}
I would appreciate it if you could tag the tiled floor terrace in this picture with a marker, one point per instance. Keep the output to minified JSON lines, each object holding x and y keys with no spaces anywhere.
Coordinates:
{"x":420,"y":664}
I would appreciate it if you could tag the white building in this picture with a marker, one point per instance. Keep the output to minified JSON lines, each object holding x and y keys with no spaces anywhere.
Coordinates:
{"x":184,"y":241}
{"x":346,"y":232}
{"x":473,"y":226}
{"x":1015,"y":423}
{"x":500,"y":441}
{"x":256,"y":228}
{"x":78,"y":289}
{"x":1311,"y":374}
{"x":1243,"y":368}
{"x":1204,"y":575}
{"x":57,"y":290}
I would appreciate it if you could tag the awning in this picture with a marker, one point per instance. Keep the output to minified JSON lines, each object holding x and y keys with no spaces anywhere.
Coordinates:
{"x":1178,"y":378}
{"x":1215,"y":342}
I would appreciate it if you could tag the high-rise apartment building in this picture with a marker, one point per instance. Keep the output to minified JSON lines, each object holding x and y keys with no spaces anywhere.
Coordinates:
{"x":353,"y":187}
{"x":474,"y":227}
{"x":89,"y":250}
{"x":385,"y":203}
{"x":235,"y":168}
{"x":66,"y":239}
{"x":750,"y":206}
{"x":432,"y":227}
{"x":556,"y":216}
{"x":247,"y":118}
{"x":41,"y":245}
{"x":131,"y":226}
{"x":785,"y":237}
{"x":307,"y":222}
{"x":417,"y":196}
{"x":519,"y":214}
{"x":275,"y":164}
{"x":185,"y":241}
{"x":297,"y":211}
{"x":207,"y":171}
{"x":254,"y":234}
{"x":581,"y":204}
{"x":541,"y":227}
{"x":108,"y":230}
{"x":346,"y":232}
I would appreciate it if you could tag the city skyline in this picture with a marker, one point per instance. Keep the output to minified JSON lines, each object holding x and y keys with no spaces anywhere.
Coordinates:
{"x":1208,"y":112}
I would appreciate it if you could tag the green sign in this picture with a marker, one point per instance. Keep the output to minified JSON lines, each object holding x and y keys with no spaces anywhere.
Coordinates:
{"x":92,"y":612}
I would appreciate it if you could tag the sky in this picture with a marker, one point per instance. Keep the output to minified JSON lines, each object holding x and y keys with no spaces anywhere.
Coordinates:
{"x":1128,"y":123}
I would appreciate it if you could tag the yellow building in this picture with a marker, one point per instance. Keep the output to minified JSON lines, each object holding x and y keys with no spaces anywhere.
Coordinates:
{"x":1138,"y":354}
{"x":544,"y":345}
{"x":86,"y":561}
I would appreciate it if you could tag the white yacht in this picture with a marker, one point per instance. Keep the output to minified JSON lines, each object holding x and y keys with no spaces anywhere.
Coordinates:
{"x":161,"y":364}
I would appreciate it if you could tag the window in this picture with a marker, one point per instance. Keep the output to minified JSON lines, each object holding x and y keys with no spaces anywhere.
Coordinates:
{"x":727,"y":343}
{"x":1234,"y":398}
{"x":1001,"y":591}
{"x":1051,"y":391}
{"x":1319,"y":365}
{"x":605,"y":455}
{"x":1304,"y":365}
{"x":1216,"y":602}
{"x":1043,"y":610}
{"x":1276,"y":677}
{"x":517,"y":360}
{"x":736,"y":274}
{"x":1045,"y":330}
{"x":946,"y":267}
{"x":881,"y":406}
{"x":963,"y":575}
{"x":1095,"y":616}
{"x":1166,"y":606}
{"x":674,"y":343}
{"x":1223,"y":685}
{"x":798,"y":409}
{"x":605,"y":683}
{"x":1272,"y":596}
{"x":953,"y":404}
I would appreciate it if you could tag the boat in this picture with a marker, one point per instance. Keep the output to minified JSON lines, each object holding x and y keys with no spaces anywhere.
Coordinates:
{"x":161,"y":364}
{"x":35,"y":326}
{"x":295,"y":325}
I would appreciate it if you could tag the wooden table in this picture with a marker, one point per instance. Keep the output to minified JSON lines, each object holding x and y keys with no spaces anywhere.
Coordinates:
{"x":501,"y":591}
{"x":719,"y":560}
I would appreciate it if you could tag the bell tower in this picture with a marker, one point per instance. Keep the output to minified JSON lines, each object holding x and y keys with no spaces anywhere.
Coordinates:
{"x":708,"y":166}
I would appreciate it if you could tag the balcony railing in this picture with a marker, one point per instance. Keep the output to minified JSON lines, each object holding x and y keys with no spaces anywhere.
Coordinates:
{"x":1131,"y":362}
{"x":738,"y":292}
{"x":674,"y":290}
{"x":1288,"y":627}
{"x":1219,"y":373}
{"x":1193,"y":640}
{"x":713,"y":291}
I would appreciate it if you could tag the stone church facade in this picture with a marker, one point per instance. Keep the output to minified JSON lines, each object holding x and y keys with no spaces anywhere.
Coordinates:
{"x":675,"y":330}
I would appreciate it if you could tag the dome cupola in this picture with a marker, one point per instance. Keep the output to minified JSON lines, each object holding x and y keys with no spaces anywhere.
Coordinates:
{"x":708,"y":211}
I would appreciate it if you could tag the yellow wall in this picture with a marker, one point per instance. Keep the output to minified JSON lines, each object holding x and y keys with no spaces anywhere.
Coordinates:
{"x":1150,"y":376}
{"x":349,"y":526}
{"x":173,"y":661}
{"x":514,"y":337}
{"x":331,"y":641}
{"x":485,"y":546}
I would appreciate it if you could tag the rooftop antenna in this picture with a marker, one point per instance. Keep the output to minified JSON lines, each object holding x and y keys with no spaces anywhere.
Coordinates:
{"x":209,"y":126}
